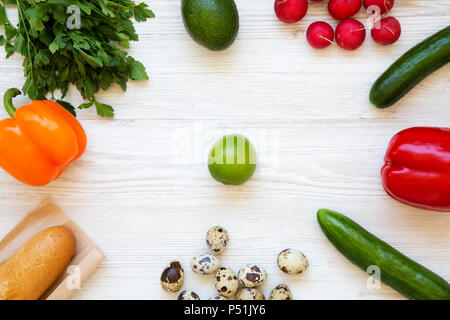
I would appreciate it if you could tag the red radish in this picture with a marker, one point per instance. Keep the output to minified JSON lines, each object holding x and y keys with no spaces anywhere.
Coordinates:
{"x":316,"y":0}
{"x":389,"y":31}
{"x":350,"y":34}
{"x":385,"y":5}
{"x":291,"y":11}
{"x":320,"y":35}
{"x":343,"y":9}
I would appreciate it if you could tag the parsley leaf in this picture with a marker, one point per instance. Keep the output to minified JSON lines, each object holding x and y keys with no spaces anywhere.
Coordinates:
{"x":67,"y":106}
{"x":136,"y":69}
{"x":3,"y":17}
{"x":86,"y":105}
{"x":104,"y":110}
{"x":141,"y":13}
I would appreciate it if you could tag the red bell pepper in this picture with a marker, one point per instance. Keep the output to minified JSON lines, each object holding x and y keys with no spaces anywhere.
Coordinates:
{"x":417,"y":168}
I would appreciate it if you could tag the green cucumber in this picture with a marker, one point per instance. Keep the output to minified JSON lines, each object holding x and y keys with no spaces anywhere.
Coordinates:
{"x":411,"y":68}
{"x":397,"y":270}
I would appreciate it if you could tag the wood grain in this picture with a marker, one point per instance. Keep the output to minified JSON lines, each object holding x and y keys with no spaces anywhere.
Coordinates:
{"x":143,"y":192}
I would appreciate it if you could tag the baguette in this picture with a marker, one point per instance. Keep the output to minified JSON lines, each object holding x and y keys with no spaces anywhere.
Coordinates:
{"x":37,"y":264}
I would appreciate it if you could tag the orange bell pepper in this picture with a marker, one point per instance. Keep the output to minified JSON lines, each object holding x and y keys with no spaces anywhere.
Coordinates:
{"x":39,"y":141}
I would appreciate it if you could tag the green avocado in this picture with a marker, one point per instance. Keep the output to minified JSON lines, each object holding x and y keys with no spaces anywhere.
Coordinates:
{"x":212,"y":23}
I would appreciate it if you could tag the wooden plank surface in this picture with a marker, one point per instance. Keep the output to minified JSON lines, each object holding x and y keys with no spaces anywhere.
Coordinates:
{"x":143,"y":192}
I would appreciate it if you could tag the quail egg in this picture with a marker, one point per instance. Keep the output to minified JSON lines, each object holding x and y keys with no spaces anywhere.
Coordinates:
{"x":205,"y":264}
{"x":218,"y":297}
{"x":250,"y":294}
{"x":226,"y":281}
{"x":252,"y":276}
{"x":281,"y":292}
{"x":172,"y":277}
{"x":188,"y":295}
{"x":217,"y":239}
{"x":292,"y":261}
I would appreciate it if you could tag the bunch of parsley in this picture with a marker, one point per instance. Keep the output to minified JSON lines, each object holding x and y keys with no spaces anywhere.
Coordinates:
{"x":91,"y":57}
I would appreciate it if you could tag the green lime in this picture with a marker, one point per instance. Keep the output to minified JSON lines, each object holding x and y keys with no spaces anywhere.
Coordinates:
{"x":232,"y":160}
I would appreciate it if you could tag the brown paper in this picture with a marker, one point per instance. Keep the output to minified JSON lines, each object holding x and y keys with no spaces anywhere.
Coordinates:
{"x":86,"y":259}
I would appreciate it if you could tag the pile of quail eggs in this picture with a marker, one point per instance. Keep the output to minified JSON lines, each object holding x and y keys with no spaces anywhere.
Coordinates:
{"x":243,"y":286}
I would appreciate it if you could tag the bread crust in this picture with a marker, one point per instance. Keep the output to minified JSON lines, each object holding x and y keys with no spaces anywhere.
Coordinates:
{"x":37,"y":264}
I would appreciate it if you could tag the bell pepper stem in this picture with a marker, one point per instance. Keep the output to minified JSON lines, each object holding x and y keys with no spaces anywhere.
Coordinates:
{"x":7,"y":101}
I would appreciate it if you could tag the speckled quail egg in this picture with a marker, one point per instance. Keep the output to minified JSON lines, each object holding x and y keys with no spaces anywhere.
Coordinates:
{"x":226,"y":281}
{"x":250,"y":294}
{"x":172,"y":277}
{"x":252,"y":276}
{"x":205,"y":264}
{"x":188,"y":295}
{"x":218,"y":297}
{"x":292,"y":261}
{"x":217,"y":239}
{"x":281,"y":292}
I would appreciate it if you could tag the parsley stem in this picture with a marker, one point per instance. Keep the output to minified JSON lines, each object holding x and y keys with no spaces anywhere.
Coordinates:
{"x":7,"y":101}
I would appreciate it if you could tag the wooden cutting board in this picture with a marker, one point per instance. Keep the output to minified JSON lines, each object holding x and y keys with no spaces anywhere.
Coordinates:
{"x":86,"y":259}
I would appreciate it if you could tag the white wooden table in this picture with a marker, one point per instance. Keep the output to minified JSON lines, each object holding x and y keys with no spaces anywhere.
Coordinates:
{"x":143,"y":191}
